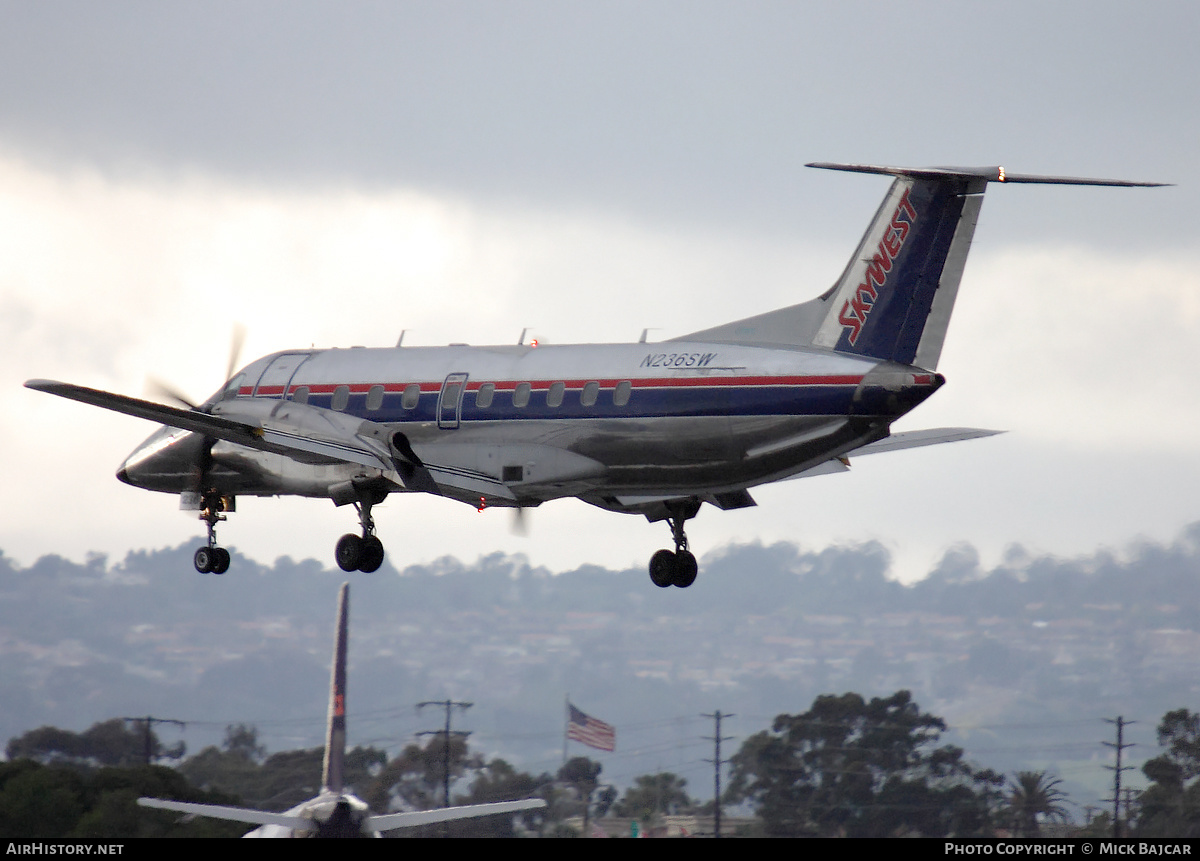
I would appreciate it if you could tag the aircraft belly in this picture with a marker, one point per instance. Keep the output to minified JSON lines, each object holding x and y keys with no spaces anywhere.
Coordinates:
{"x":542,"y":460}
{"x":767,"y":449}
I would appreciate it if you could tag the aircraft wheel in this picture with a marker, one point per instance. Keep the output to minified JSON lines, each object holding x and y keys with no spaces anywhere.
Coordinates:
{"x":372,"y":555}
{"x":204,"y":560}
{"x":349,"y":552}
{"x":662,"y":568}
{"x":221,"y":560}
{"x":685,"y":569}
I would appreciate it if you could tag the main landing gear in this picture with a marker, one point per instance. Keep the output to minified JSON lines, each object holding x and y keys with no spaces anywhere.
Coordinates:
{"x":212,"y":559}
{"x":360,"y":554}
{"x":677,"y":568}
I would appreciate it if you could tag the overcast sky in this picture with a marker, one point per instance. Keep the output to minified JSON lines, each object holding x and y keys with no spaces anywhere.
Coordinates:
{"x":330,"y":174}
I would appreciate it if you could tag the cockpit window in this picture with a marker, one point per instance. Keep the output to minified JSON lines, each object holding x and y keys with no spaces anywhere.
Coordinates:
{"x":232,"y":387}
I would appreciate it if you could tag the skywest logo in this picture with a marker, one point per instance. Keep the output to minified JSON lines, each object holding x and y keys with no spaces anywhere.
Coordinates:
{"x":855,"y":310}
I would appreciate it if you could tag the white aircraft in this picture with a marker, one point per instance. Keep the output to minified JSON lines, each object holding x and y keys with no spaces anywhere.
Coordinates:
{"x":652,"y":429}
{"x":336,"y":812}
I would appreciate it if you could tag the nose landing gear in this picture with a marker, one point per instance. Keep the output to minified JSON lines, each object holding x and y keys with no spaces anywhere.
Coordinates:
{"x":212,"y":559}
{"x":677,"y":568}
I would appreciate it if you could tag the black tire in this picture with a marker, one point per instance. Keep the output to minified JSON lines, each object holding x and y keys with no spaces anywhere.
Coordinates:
{"x":372,"y":555}
{"x":685,"y":569}
{"x":204,"y":560}
{"x":349,"y":552}
{"x":662,"y":569}
{"x":222,"y":560}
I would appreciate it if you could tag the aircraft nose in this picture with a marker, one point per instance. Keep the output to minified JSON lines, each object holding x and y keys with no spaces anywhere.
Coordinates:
{"x":164,"y":462}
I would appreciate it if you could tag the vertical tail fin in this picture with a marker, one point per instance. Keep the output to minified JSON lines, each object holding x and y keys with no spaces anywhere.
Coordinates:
{"x":894,"y":299}
{"x":333,"y":773}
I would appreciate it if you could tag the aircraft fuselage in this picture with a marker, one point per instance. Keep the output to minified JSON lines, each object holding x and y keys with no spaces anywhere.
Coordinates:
{"x":605,"y":422}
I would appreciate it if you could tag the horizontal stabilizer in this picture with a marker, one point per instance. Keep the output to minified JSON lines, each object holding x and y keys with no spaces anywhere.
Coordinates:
{"x":896,"y":442}
{"x":392,"y":821}
{"x":920,"y":438}
{"x":233,"y":814}
{"x":988,"y":174}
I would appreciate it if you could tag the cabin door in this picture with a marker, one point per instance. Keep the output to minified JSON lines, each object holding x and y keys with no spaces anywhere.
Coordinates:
{"x":449,"y":408}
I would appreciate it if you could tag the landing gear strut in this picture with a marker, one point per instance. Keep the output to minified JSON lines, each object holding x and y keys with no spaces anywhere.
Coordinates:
{"x":360,"y":554}
{"x":212,"y":559}
{"x":677,"y":568}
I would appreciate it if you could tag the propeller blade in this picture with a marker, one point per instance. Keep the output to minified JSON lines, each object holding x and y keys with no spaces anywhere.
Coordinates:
{"x":160,"y":391}
{"x":520,"y":523}
{"x":235,"y":349}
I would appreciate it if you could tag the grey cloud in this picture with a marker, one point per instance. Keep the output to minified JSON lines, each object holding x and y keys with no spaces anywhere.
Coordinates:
{"x":683,"y":111}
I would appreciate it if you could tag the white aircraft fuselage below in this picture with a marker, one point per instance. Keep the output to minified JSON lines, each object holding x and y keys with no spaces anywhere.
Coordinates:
{"x":654,"y":429}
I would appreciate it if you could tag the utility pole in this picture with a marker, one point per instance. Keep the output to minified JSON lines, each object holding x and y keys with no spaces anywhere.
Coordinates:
{"x":1120,"y":745}
{"x":147,"y":723}
{"x":717,"y":762}
{"x":445,"y":733}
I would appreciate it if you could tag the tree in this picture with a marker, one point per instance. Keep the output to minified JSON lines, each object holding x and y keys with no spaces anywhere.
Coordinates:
{"x":278,"y":781}
{"x":414,"y":780}
{"x":78,"y":801}
{"x":1170,"y":806}
{"x":110,"y":742}
{"x":853,"y":768}
{"x":499,"y":781}
{"x":661,"y":793}
{"x":1034,"y":796}
{"x":581,"y":776}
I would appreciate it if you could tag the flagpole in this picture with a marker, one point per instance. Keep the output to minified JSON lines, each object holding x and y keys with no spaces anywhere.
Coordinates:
{"x":566,"y":724}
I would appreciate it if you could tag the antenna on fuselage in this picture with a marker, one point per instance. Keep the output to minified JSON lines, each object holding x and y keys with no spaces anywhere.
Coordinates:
{"x":400,"y":340}
{"x":646,"y":332}
{"x":521,"y":340}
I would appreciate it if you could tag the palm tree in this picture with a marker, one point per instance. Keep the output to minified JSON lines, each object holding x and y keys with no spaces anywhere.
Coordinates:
{"x":1035,"y":797}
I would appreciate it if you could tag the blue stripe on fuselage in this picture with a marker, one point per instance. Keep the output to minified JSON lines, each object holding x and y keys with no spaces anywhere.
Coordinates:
{"x":647,"y":402}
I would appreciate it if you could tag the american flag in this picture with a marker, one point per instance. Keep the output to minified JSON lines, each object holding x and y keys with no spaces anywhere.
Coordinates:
{"x":592,"y":732}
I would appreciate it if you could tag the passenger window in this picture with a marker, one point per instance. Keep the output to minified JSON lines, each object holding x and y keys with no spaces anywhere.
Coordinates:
{"x":521,"y":395}
{"x":554,"y":397}
{"x":375,"y":397}
{"x":300,"y":396}
{"x":341,"y":397}
{"x":589,"y":394}
{"x":621,"y":393}
{"x":483,"y":397}
{"x":412,"y":396}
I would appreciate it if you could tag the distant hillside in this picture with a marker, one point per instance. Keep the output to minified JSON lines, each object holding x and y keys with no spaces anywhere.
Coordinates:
{"x":1023,"y":660}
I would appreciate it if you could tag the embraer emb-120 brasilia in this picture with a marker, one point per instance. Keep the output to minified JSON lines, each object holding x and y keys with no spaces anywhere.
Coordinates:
{"x":336,"y":811}
{"x":656,"y":430}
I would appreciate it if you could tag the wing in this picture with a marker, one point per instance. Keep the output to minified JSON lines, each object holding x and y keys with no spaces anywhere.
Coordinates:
{"x":303,"y":433}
